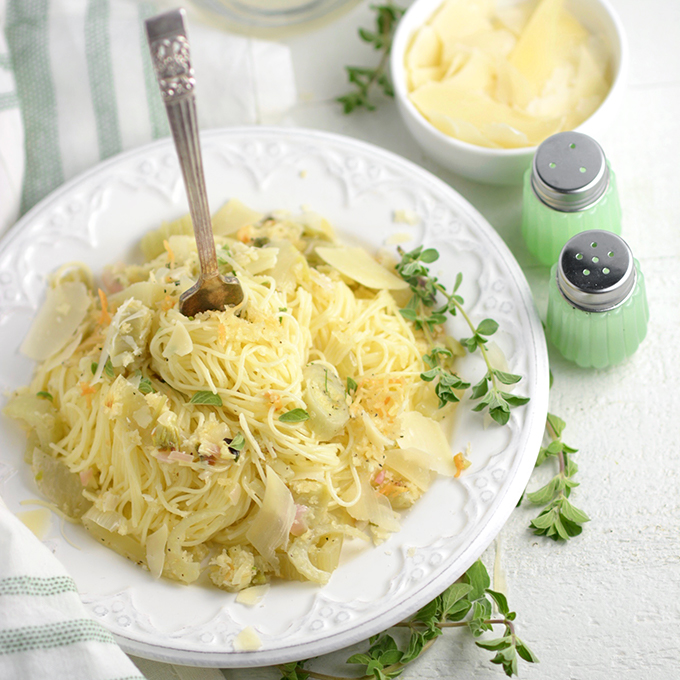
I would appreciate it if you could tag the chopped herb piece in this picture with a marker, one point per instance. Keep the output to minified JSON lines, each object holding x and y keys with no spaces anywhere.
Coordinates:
{"x":351,"y":385}
{"x":236,"y":445}
{"x":206,"y":398}
{"x":145,"y":386}
{"x":108,"y":368}
{"x":297,"y":415}
{"x":45,"y":395}
{"x":238,"y":442}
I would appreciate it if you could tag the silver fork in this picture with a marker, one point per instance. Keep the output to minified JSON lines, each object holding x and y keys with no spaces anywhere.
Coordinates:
{"x":170,"y":55}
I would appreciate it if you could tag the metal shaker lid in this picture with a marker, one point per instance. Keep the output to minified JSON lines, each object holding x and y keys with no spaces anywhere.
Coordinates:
{"x":596,"y":271}
{"x":569,"y":172}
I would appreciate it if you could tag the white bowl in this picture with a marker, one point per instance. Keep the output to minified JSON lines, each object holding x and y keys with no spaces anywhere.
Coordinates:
{"x":504,"y":166}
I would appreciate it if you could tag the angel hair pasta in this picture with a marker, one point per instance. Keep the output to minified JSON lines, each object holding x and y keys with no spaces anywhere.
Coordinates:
{"x":248,"y":442}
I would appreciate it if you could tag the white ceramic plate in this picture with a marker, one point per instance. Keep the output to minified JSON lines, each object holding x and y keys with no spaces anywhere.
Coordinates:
{"x":99,"y":218}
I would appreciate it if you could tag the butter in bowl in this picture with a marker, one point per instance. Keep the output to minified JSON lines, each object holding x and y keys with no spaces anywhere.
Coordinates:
{"x":480,"y":85}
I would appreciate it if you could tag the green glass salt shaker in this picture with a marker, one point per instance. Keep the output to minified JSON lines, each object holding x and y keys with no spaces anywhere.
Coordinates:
{"x":597,"y":305}
{"x":569,"y":188}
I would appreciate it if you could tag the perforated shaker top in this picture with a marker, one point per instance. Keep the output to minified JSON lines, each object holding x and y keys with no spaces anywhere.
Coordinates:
{"x":596,"y":271}
{"x":570,"y":172}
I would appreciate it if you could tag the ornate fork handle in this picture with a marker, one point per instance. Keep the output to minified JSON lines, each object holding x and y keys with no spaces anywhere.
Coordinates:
{"x":171,"y":59}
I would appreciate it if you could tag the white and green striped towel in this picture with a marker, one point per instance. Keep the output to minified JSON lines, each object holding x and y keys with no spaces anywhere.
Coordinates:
{"x":44,"y":629}
{"x":76,"y":87}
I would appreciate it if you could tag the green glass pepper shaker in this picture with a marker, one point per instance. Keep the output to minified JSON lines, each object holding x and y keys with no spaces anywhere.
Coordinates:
{"x":569,"y":188}
{"x":597,"y":305}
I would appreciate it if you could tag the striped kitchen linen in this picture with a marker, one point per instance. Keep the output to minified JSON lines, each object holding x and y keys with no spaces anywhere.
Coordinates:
{"x":76,"y":87}
{"x":45,"y":631}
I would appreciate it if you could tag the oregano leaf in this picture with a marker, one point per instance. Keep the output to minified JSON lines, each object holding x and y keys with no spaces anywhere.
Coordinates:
{"x":487,"y":327}
{"x":296,"y":415}
{"x":507,"y":378}
{"x":495,"y":644}
{"x":500,"y":600}
{"x":478,"y":578}
{"x":204,"y":397}
{"x":557,"y":424}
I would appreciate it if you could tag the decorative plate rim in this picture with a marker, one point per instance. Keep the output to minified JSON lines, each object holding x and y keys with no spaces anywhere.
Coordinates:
{"x":529,"y":438}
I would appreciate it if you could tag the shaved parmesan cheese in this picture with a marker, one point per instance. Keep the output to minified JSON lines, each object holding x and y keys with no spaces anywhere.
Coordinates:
{"x":287,"y":258}
{"x":65,"y":353}
{"x":478,"y":73}
{"x":142,"y":416}
{"x":247,"y":640}
{"x":512,"y":88}
{"x":59,"y":485}
{"x":398,"y":238}
{"x":424,"y":434}
{"x":58,"y":319}
{"x":412,"y":464}
{"x":232,"y":216}
{"x":570,"y":34}
{"x":420,"y":75}
{"x":425,"y":50}
{"x":406,"y":217}
{"x":180,"y":342}
{"x":535,"y":55}
{"x":374,"y":508}
{"x":183,"y":247}
{"x":152,"y":242}
{"x":506,"y":78}
{"x":271,"y":526}
{"x":147,"y":292}
{"x":496,"y":43}
{"x":479,"y":109}
{"x":38,"y":521}
{"x":155,"y":551}
{"x":459,"y":18}
{"x":515,"y":17}
{"x":316,"y":224}
{"x":357,"y":264}
{"x":251,"y":596}
{"x":126,"y":336}
{"x":262,"y":261}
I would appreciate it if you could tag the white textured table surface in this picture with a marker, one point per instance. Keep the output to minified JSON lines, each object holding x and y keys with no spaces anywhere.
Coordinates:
{"x":607,"y":604}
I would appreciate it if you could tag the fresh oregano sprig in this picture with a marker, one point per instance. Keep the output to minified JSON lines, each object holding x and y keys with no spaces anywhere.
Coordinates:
{"x":426,"y":312}
{"x":559,"y":519}
{"x":365,"y":80}
{"x":467,"y":603}
{"x":447,"y":382}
